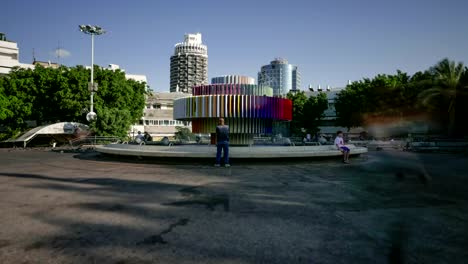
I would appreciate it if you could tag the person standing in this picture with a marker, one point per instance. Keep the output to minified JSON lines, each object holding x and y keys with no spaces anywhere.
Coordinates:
{"x":222,"y":143}
{"x":339,"y":143}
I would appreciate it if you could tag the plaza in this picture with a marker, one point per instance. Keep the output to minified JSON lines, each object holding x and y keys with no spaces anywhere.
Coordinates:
{"x":85,"y":207}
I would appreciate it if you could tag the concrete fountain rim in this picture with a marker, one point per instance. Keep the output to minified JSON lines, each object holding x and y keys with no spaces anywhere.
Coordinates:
{"x":241,"y":152}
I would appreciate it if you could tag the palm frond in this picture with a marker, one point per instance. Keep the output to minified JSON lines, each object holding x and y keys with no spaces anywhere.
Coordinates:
{"x":448,"y":73}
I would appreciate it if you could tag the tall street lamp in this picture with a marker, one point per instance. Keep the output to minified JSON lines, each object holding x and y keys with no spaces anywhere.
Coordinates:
{"x":93,"y":87}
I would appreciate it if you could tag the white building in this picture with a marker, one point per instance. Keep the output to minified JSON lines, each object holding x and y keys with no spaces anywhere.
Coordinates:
{"x":189,"y":64}
{"x":158,"y":118}
{"x":9,"y":56}
{"x":135,"y":77}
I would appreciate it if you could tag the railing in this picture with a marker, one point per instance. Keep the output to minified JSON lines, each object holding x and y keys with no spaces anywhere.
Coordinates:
{"x":93,"y":140}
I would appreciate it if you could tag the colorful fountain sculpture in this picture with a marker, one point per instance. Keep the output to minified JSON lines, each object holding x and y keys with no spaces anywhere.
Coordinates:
{"x":248,"y":109}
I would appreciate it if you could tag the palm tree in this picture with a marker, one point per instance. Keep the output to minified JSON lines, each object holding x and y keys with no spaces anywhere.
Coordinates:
{"x":447,"y":78}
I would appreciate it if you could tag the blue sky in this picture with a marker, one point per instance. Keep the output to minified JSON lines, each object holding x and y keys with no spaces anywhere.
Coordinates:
{"x":331,"y":41}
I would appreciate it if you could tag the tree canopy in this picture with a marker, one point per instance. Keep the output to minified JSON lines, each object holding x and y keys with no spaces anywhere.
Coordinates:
{"x":47,"y":95}
{"x":432,"y":93}
{"x":307,"y":111}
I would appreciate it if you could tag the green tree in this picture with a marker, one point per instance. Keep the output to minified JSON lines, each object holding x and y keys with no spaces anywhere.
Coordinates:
{"x":351,"y":104}
{"x":117,"y":95}
{"x":5,"y":111}
{"x":307,"y":112}
{"x":462,"y":100}
{"x":112,"y":121}
{"x":16,"y":104}
{"x":298,"y":99}
{"x":47,"y":95}
{"x":313,"y":111}
{"x":377,"y":98}
{"x":447,"y":76}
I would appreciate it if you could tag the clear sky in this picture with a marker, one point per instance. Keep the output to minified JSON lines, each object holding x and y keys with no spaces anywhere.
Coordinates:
{"x":331,"y":41}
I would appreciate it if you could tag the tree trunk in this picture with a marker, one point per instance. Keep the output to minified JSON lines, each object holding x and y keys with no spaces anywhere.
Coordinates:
{"x":452,"y":117}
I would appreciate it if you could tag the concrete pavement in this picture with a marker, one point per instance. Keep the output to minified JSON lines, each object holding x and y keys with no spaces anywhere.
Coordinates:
{"x":87,"y":208}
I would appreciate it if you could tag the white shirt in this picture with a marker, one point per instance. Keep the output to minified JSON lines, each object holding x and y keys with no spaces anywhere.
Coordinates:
{"x":139,"y":138}
{"x":339,"y":142}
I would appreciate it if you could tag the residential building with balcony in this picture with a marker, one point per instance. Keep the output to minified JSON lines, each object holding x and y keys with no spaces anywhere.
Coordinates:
{"x":189,"y":64}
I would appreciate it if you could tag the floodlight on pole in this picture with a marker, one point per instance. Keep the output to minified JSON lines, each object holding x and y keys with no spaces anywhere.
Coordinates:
{"x":92,"y":30}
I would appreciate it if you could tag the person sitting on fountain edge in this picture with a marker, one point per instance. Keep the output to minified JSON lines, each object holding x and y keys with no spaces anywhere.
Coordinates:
{"x":222,"y":143}
{"x":147,"y":137}
{"x":339,"y":143}
{"x":139,"y":138}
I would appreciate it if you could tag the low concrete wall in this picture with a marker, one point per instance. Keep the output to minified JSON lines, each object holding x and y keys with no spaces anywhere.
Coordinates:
{"x":255,"y":152}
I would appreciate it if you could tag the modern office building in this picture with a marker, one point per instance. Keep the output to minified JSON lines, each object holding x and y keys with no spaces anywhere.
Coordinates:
{"x":189,"y":64}
{"x":281,"y":76}
{"x":234,"y":79}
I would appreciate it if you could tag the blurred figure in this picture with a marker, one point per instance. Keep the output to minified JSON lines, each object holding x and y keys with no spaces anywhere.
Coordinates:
{"x":139,"y":138}
{"x":147,"y":137}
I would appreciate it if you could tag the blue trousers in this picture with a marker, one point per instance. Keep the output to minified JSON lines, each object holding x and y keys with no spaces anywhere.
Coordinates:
{"x":222,"y":146}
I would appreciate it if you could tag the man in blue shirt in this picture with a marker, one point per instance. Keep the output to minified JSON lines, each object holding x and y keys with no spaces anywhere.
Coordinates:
{"x":222,"y":143}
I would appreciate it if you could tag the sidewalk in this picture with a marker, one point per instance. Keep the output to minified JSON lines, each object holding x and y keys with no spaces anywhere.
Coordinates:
{"x":84,"y":208}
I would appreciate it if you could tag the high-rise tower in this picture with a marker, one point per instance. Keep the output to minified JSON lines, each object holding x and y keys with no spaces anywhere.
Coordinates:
{"x":189,"y":64}
{"x":281,"y":76}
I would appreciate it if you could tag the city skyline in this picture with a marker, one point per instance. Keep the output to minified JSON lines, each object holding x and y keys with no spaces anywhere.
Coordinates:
{"x":330,"y":42}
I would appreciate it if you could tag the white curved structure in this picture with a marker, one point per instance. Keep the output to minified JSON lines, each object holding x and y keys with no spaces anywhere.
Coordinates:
{"x":192,"y":45}
{"x":62,"y":128}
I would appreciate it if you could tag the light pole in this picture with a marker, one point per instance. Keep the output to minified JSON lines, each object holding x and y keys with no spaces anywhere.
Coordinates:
{"x":93,"y":87}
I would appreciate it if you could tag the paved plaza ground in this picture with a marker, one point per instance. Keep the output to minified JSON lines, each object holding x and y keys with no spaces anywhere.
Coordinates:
{"x":385,"y":207}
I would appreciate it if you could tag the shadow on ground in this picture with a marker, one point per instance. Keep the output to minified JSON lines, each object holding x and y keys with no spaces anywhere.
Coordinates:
{"x":384,"y":208}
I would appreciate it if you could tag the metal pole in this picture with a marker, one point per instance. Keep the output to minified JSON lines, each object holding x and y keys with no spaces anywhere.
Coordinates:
{"x":92,"y":71}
